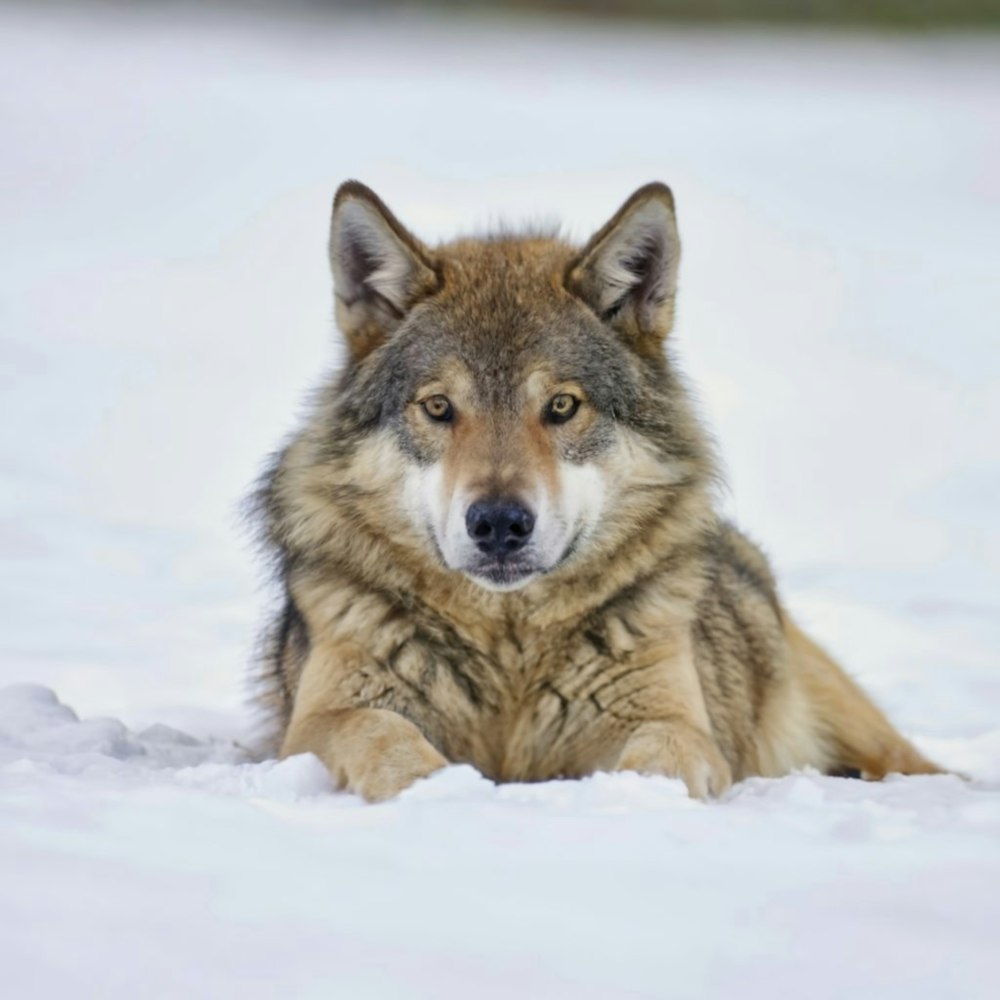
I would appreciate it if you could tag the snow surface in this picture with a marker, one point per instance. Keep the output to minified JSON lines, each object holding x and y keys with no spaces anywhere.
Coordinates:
{"x":164,"y":301}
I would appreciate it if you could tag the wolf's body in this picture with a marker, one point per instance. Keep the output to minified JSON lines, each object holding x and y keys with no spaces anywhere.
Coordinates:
{"x":497,"y":539}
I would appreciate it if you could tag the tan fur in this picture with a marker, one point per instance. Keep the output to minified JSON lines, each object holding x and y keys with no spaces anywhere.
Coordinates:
{"x":860,"y":735}
{"x":654,"y":643}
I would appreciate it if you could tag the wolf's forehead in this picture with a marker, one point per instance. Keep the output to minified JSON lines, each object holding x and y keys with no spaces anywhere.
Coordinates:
{"x":503,"y":300}
{"x":503,"y":320}
{"x":494,"y":373}
{"x":511,"y":283}
{"x":495,"y":353}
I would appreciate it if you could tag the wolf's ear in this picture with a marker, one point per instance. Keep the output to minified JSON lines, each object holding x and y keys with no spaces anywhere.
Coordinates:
{"x":379,"y":269}
{"x":627,"y":273}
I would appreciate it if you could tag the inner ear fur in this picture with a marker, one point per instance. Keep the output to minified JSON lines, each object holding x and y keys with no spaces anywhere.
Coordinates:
{"x":627,"y":272}
{"x":380,"y":269}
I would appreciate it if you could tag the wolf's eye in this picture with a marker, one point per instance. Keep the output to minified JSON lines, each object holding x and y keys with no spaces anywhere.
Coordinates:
{"x":561,"y":408}
{"x":438,"y":408}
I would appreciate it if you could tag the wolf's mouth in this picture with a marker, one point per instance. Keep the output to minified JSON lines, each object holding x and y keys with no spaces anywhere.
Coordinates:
{"x":513,"y":571}
{"x":503,"y":574}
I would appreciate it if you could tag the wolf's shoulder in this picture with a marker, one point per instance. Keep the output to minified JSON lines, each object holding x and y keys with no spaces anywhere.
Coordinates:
{"x":732,"y":558}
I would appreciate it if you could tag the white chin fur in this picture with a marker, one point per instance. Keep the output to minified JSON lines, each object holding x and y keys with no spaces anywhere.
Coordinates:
{"x":501,"y":588}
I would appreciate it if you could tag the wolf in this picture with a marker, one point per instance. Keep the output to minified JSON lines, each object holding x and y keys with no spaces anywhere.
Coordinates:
{"x":497,"y":539}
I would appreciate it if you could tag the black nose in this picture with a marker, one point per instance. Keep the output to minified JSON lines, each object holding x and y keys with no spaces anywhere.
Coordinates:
{"x":499,"y":527}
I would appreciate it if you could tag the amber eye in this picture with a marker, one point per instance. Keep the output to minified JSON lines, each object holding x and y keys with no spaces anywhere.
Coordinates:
{"x":439,"y":408}
{"x":561,"y":408}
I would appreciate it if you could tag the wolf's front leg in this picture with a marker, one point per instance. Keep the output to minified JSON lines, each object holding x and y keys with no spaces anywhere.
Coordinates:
{"x":373,"y":752}
{"x":671,"y":734}
{"x":677,"y":749}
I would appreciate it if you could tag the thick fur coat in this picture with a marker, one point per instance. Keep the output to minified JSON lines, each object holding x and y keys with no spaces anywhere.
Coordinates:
{"x":496,"y":537}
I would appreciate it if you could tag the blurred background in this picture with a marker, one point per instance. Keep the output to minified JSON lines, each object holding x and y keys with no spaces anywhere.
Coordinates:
{"x":166,"y":172}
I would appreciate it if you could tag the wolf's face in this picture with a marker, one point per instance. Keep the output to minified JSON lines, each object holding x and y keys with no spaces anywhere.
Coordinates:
{"x":508,"y":475}
{"x":510,"y":390}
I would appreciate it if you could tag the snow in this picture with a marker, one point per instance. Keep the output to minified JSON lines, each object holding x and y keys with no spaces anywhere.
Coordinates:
{"x":150,"y":858}
{"x":165,"y":301}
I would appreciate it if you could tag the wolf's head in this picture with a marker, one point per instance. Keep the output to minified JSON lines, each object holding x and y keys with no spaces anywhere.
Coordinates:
{"x":509,"y":396}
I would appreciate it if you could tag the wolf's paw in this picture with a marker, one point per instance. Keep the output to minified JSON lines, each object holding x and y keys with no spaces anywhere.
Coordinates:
{"x":391,"y":769}
{"x":678,"y":751}
{"x":372,"y":752}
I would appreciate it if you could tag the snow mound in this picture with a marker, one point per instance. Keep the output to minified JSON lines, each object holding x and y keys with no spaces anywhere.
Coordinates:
{"x":36,"y":727}
{"x":39,"y":734}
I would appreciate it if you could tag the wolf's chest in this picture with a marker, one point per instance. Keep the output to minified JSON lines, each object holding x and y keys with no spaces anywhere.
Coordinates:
{"x":516,"y":712}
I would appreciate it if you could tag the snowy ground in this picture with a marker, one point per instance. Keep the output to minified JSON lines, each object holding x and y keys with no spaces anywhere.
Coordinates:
{"x":164,"y":196}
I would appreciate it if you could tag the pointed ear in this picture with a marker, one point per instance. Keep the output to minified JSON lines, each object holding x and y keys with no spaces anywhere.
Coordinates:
{"x":627,"y":273}
{"x":379,"y":269}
